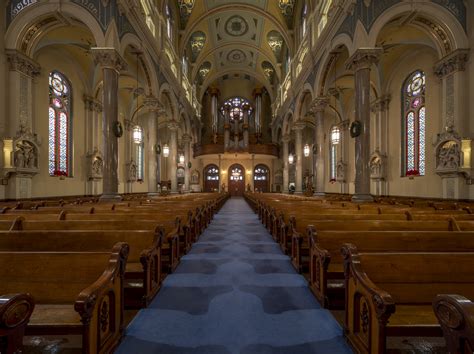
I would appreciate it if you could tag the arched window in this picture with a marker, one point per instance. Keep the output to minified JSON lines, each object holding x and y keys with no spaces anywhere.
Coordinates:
{"x":139,"y":153}
{"x":236,"y":107}
{"x":335,"y":140}
{"x":60,"y":104}
{"x":212,"y":173}
{"x":261,"y":173}
{"x":414,"y":124}
{"x":169,"y":22}
{"x":304,"y":19}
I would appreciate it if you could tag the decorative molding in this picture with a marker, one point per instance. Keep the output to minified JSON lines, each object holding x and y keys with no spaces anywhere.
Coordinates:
{"x":92,"y":104}
{"x":109,"y":58}
{"x":454,"y":62}
{"x":363,"y":58}
{"x":20,"y":62}
{"x":319,"y":104}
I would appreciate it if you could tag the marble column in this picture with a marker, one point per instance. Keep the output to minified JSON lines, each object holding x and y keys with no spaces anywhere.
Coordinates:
{"x":19,"y":124}
{"x":251,"y":174}
{"x":245,"y":126}
{"x":226,"y":127}
{"x":219,"y":162}
{"x":456,"y":125}
{"x":155,"y":109}
{"x":318,"y":107}
{"x":111,"y":63}
{"x":360,"y":62}
{"x":257,"y":93}
{"x":298,"y":128}
{"x":286,"y":173}
{"x":173,"y":128}
{"x":381,"y":140}
{"x":187,"y":158}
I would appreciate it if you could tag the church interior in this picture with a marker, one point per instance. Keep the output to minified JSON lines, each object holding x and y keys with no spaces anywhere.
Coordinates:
{"x":236,"y":176}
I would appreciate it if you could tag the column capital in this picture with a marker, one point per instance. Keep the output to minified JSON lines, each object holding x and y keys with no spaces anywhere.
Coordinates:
{"x":455,"y":61}
{"x":257,"y":92}
{"x":186,"y":138}
{"x":214,"y":91}
{"x":153,"y":104}
{"x":319,"y":104}
{"x":20,"y":62}
{"x":286,"y":138}
{"x":363,"y":58}
{"x":172,"y":125}
{"x":92,"y":104}
{"x":299,"y":126}
{"x":108,"y":58}
{"x":380,"y":104}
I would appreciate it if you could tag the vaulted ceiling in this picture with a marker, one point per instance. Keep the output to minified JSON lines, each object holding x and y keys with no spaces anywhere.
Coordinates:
{"x":236,"y":39}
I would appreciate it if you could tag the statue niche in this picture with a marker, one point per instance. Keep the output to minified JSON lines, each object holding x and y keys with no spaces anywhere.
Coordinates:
{"x":377,"y":166}
{"x":25,"y":155}
{"x":95,"y":165}
{"x":341,"y":168}
{"x":131,"y":171}
{"x":448,"y":157}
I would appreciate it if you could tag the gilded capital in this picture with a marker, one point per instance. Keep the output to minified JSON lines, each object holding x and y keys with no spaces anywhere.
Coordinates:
{"x":363,"y":58}
{"x":154,"y":105}
{"x":455,"y":61}
{"x":319,"y":104}
{"x":22,"y":63}
{"x":109,"y":58}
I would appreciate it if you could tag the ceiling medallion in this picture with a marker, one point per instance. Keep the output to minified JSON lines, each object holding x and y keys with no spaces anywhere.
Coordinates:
{"x":236,"y":56}
{"x":236,"y":26}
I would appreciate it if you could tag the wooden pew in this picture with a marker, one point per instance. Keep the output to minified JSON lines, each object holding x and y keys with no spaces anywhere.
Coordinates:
{"x":15,"y":313}
{"x":300,"y":238}
{"x":76,"y":293}
{"x":144,"y":271}
{"x":391,"y":294}
{"x":326,"y":261}
{"x":455,"y":315}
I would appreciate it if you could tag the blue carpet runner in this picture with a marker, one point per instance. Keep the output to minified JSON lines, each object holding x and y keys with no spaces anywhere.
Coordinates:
{"x":235,"y":292}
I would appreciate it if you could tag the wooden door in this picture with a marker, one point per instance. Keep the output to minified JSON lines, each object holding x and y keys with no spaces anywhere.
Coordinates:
{"x":211,"y":178}
{"x":236,"y":180}
{"x":261,"y":179}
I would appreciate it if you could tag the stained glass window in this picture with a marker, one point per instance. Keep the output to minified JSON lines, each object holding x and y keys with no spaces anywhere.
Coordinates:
{"x":169,"y":22}
{"x":212,"y":173}
{"x":236,"y":107}
{"x":60,"y":100}
{"x":236,"y":174}
{"x":260,"y":173}
{"x":335,"y":139}
{"x":414,"y":123}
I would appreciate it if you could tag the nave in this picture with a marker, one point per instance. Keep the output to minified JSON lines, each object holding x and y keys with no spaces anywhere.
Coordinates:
{"x":234,"y":292}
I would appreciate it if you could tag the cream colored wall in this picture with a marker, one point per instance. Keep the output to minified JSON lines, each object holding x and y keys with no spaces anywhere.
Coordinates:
{"x":3,"y":88}
{"x":430,"y":184}
{"x":43,"y":184}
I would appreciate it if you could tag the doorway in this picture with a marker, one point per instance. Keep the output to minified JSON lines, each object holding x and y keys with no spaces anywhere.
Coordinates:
{"x":236,"y":180}
{"x":211,"y":178}
{"x":261,"y":178}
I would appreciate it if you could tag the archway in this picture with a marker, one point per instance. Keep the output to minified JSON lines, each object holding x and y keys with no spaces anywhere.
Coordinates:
{"x":261,"y":176}
{"x":236,"y":180}
{"x":211,"y":178}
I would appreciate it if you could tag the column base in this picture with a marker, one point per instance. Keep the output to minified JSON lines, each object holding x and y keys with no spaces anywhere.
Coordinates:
{"x":319,"y":194}
{"x":110,"y":198}
{"x":362,"y":198}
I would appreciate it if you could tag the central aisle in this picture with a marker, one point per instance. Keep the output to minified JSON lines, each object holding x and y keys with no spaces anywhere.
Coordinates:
{"x":235,"y":292}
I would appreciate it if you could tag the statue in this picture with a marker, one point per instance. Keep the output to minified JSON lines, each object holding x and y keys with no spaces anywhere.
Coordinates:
{"x":97,"y":166}
{"x":449,"y":156}
{"x":25,"y":155}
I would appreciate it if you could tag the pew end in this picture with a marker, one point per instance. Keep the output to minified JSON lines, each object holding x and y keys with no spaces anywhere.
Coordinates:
{"x":15,"y":313}
{"x":455,"y":315}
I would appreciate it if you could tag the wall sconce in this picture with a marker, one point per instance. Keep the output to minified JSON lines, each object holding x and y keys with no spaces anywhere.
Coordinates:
{"x":291,"y":159}
{"x":166,"y":150}
{"x":306,"y":150}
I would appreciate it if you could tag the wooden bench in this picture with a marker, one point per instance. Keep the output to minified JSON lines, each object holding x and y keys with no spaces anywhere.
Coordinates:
{"x":326,"y":261}
{"x":391,"y":294}
{"x":300,"y":237}
{"x":15,"y":312}
{"x":76,"y":293}
{"x":144,"y":271}
{"x":455,"y":315}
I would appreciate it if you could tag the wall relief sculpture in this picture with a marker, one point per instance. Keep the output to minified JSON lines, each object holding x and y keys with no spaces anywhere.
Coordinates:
{"x":377,"y":165}
{"x":341,"y":169}
{"x":132,"y":171}
{"x":95,"y":165}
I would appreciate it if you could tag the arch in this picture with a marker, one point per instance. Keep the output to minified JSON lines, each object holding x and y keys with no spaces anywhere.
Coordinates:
{"x":35,"y":14}
{"x":305,"y":92}
{"x":430,"y":10}
{"x":342,"y":43}
{"x":236,"y":180}
{"x":286,"y":126}
{"x":211,"y":178}
{"x":261,"y":178}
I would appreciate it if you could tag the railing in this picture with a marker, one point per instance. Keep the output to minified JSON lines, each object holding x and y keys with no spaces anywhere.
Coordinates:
{"x":259,"y":149}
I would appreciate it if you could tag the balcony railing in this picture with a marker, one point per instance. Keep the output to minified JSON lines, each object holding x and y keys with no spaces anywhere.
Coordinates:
{"x":258,"y":149}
